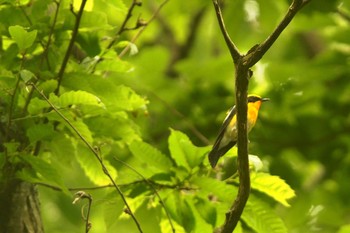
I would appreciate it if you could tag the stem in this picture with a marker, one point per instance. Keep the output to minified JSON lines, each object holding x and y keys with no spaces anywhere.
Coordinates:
{"x":70,"y":46}
{"x":96,"y":154}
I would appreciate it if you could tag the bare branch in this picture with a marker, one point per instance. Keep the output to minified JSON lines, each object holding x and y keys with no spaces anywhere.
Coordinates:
{"x":231,"y":46}
{"x":126,"y":19}
{"x":70,"y":45}
{"x":138,"y":34}
{"x":257,"y":52}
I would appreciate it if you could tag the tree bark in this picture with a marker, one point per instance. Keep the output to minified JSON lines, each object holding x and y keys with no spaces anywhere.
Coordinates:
{"x":19,"y":208}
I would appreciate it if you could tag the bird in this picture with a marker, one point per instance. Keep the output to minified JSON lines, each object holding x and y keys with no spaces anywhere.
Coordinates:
{"x":227,"y":137}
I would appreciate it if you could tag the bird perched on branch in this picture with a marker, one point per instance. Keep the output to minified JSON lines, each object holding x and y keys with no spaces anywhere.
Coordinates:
{"x":227,"y":137}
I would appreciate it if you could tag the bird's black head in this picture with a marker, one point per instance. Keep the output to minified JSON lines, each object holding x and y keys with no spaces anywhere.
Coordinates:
{"x":255,"y":98}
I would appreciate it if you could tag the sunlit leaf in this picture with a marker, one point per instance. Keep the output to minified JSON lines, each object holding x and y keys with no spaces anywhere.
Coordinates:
{"x":273,"y":186}
{"x":150,"y":155}
{"x":92,"y":167}
{"x":183,"y":151}
{"x":22,"y":38}
{"x":260,"y":217}
{"x":75,"y":98}
{"x":43,"y":172}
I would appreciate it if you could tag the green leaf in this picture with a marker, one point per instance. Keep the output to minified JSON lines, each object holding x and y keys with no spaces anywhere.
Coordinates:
{"x":92,"y":166}
{"x":183,"y":151}
{"x":40,"y":132}
{"x":44,"y":172}
{"x":206,"y":210}
{"x":261,"y":218}
{"x":218,"y":188}
{"x":75,"y":98}
{"x":113,"y":208}
{"x":180,"y":210}
{"x":150,"y":155}
{"x":115,"y":97}
{"x":132,"y":47}
{"x":273,"y":186}
{"x":36,"y":106}
{"x":22,"y":38}
{"x":26,"y":75}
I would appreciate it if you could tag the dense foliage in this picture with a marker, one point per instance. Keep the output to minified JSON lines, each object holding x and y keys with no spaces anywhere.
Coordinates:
{"x":147,"y":106}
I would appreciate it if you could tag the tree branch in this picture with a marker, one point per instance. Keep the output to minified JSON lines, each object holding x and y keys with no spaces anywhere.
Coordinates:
{"x":95,"y":152}
{"x":243,"y":63}
{"x":70,"y":45}
{"x":257,"y":52}
{"x":231,"y":46}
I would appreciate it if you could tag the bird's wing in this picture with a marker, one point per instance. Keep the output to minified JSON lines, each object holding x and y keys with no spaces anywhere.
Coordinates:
{"x":218,"y":149}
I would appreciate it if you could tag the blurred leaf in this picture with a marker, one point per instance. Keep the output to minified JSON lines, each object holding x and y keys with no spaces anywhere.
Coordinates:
{"x":180,"y":210}
{"x":44,"y":172}
{"x":40,"y":132}
{"x":26,"y":75}
{"x":273,"y":186}
{"x":206,"y":210}
{"x":22,"y":38}
{"x":344,"y":229}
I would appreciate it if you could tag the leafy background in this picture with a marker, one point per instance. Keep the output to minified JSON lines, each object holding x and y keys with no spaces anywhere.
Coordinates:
{"x":153,"y":112}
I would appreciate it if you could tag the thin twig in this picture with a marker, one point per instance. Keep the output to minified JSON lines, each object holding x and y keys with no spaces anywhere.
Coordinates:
{"x":52,"y":28}
{"x":123,"y":26}
{"x":104,"y":168}
{"x":154,"y":190}
{"x":70,"y":45}
{"x":12,"y":103}
{"x":257,"y":52}
{"x":235,"y":54}
{"x":138,"y":34}
{"x":83,"y":195}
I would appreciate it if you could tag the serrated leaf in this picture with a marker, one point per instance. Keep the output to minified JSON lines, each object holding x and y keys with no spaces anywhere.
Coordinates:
{"x":150,"y":155}
{"x":22,"y":38}
{"x":220,"y":189}
{"x":92,"y":167}
{"x":75,"y":98}
{"x":43,"y":172}
{"x":82,"y":128}
{"x":273,"y":186}
{"x":183,"y":151}
{"x":261,"y":218}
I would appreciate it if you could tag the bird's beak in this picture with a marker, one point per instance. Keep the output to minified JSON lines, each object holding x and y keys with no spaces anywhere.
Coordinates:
{"x":265,"y":99}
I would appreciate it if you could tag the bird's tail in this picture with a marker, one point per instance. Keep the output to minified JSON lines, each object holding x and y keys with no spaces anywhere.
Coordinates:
{"x":216,"y":153}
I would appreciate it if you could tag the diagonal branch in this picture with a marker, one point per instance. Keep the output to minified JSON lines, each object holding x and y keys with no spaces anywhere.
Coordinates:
{"x":95,"y":152}
{"x":257,"y":52}
{"x":70,"y":45}
{"x":231,"y":46}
